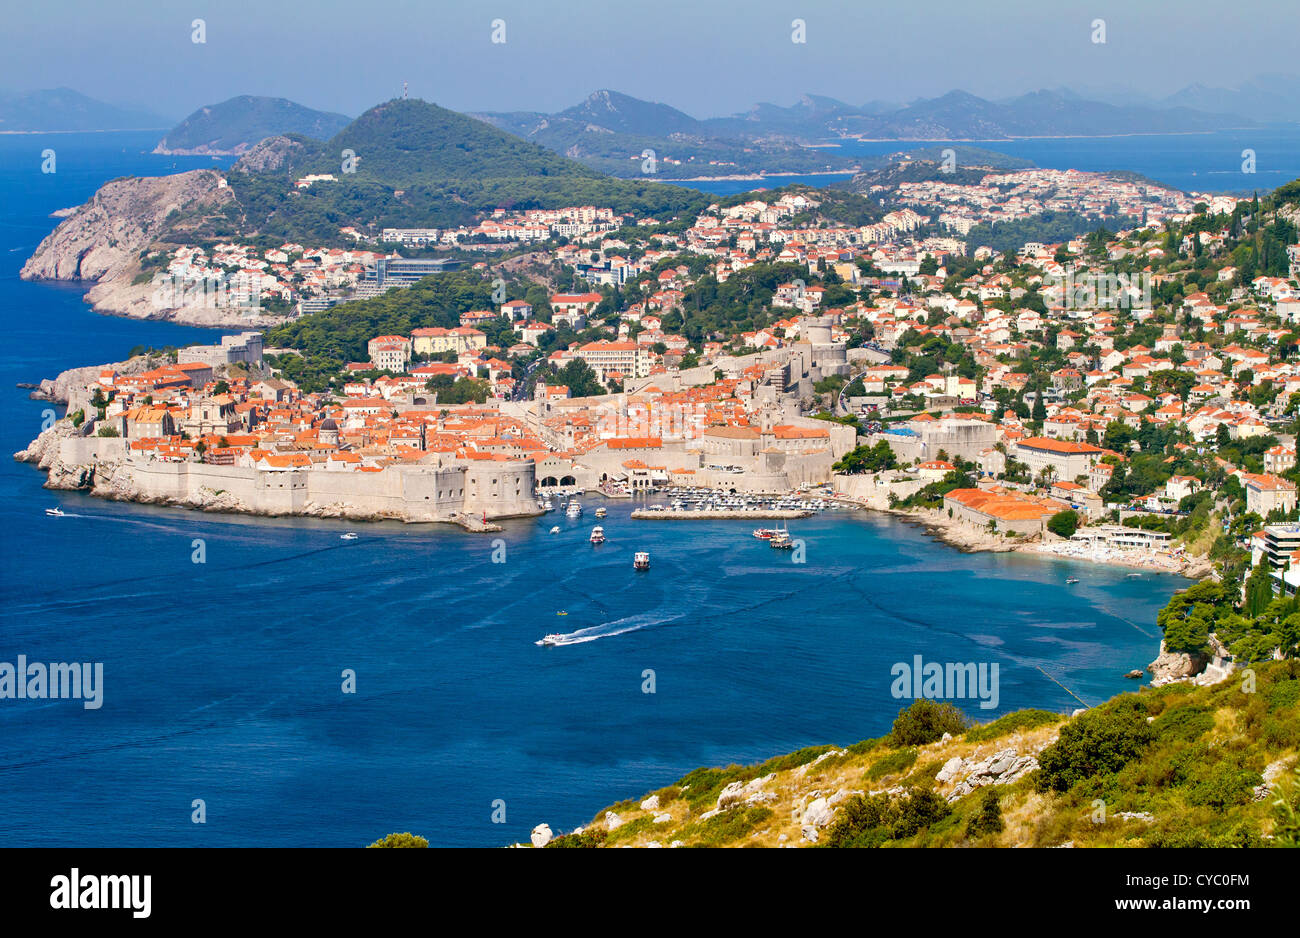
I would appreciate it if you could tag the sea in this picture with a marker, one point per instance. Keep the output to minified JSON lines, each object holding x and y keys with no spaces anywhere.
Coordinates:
{"x":266,"y":682}
{"x":1213,"y":162}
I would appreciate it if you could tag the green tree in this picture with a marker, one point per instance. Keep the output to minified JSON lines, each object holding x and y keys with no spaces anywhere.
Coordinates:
{"x":925,"y":721}
{"x":1063,"y":523}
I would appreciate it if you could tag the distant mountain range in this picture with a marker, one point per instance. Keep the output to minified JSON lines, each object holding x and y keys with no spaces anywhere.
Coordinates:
{"x":1266,"y":98}
{"x":959,"y":115}
{"x":65,"y":110}
{"x":610,"y":131}
{"x":236,"y":125}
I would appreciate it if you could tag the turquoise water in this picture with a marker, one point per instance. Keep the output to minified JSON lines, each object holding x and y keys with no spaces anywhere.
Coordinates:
{"x":222,"y":680}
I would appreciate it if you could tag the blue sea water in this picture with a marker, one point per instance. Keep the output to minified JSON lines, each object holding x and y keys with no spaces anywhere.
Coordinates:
{"x":1204,"y":162}
{"x":222,"y":680}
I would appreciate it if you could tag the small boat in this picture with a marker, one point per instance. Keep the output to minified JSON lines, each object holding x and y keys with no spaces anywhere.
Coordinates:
{"x":561,"y":613}
{"x":1073,"y":579}
{"x":1131,"y":575}
{"x":765,"y":533}
{"x":54,"y":512}
{"x":551,"y":639}
{"x":781,"y":541}
{"x":597,"y":535}
{"x":350,"y":536}
{"x":574,"y":510}
{"x":601,"y":512}
{"x":641,"y":560}
{"x":555,"y":530}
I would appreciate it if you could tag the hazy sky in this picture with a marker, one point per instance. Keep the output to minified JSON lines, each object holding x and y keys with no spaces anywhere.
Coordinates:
{"x":706,"y":57}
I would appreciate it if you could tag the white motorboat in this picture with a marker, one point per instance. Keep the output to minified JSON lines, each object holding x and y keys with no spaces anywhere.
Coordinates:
{"x":597,"y":535}
{"x":641,"y":560}
{"x":555,"y":530}
{"x":552,"y":639}
{"x":350,"y":536}
{"x":574,"y":510}
{"x":601,"y":512}
{"x":54,"y":512}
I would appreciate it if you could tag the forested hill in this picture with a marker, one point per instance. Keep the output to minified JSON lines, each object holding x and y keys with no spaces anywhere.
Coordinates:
{"x":412,"y":163}
{"x":240,"y":123}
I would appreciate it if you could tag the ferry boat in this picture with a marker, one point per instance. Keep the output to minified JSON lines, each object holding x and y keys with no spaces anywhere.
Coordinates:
{"x":598,"y":535}
{"x":641,"y":560}
{"x":574,"y":510}
{"x":601,"y":512}
{"x":350,"y":536}
{"x":551,"y":639}
{"x":54,"y":512}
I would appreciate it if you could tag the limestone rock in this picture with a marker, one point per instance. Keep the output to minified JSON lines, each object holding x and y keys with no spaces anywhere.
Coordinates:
{"x":650,"y":804}
{"x":738,"y":792}
{"x":541,"y":835}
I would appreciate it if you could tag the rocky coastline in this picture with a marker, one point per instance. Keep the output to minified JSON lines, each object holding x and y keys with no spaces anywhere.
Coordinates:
{"x":100,"y":243}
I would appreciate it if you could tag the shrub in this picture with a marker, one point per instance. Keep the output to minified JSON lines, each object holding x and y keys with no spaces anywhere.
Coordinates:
{"x":725,"y":827}
{"x":401,"y":840}
{"x":989,"y":818}
{"x":873,"y":820}
{"x":1099,"y":742}
{"x":591,"y":837}
{"x":891,"y":764}
{"x":1183,"y":723}
{"x":925,"y":721}
{"x":1017,"y":720}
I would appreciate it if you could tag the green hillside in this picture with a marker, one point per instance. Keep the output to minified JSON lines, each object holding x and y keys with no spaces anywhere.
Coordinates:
{"x":417,"y":164}
{"x":1178,"y":766}
{"x":235,"y":125}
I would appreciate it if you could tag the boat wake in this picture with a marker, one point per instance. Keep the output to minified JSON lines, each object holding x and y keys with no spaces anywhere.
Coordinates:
{"x":605,"y":630}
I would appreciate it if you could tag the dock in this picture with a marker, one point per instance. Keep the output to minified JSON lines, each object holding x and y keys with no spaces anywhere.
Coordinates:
{"x":731,"y":514}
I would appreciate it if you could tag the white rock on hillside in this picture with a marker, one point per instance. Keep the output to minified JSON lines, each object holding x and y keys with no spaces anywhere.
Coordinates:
{"x":541,"y":835}
{"x":749,"y":792}
{"x":650,"y":804}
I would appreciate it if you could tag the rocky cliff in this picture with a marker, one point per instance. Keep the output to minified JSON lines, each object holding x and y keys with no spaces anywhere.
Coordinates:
{"x":103,"y":240}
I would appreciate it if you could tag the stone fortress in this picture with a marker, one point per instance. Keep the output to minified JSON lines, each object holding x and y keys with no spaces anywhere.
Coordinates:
{"x":438,"y":489}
